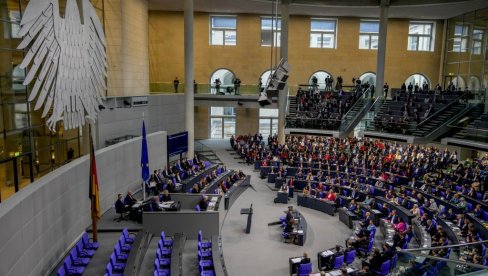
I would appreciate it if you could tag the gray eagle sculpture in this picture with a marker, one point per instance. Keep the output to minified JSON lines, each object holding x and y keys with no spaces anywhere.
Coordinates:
{"x":66,"y":59}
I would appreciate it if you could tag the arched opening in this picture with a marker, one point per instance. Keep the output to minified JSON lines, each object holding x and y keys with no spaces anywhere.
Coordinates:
{"x":226,"y":78}
{"x":474,"y":83}
{"x":368,"y":77}
{"x":417,"y":79}
{"x":459,"y":82}
{"x":321,"y":76}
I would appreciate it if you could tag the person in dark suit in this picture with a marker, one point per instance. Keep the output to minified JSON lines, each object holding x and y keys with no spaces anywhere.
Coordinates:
{"x":430,"y":227}
{"x":152,"y":205}
{"x":129,"y":199}
{"x":305,"y":258}
{"x":289,"y":214}
{"x":165,"y":196}
{"x":120,"y":207}
{"x":195,"y":189}
{"x":365,"y":222}
{"x":203,"y":203}
{"x":331,"y":259}
{"x":388,"y":252}
{"x":375,"y":261}
{"x":176,"y":82}
{"x":399,"y":240}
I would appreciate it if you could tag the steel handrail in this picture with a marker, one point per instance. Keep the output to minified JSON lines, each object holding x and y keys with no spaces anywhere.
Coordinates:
{"x":442,"y":109}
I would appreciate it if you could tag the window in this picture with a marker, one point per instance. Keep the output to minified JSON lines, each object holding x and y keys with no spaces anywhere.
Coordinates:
{"x":368,"y":34}
{"x":222,"y":122}
{"x":460,"y":38}
{"x":223,"y":30}
{"x":268,"y":121}
{"x":477,"y":41}
{"x":270,"y":26}
{"x":323,"y":33}
{"x":421,"y":36}
{"x":369,"y":78}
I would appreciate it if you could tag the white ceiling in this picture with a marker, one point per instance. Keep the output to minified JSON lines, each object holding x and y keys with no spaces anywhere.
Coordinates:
{"x":418,"y":9}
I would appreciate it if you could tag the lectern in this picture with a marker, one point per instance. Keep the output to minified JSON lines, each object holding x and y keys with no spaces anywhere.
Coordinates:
{"x":248,"y":212}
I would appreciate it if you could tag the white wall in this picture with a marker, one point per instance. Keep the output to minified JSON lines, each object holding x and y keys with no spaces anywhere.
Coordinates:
{"x":163,"y":112}
{"x":40,"y":222}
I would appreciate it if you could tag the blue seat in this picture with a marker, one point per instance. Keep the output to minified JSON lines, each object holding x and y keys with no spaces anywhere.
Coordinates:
{"x":204,"y":255}
{"x":84,"y":253}
{"x":166,"y":241}
{"x":197,"y":208}
{"x":61,"y":271}
{"x":485,"y":215}
{"x":165,"y":251}
{"x":393,"y":262}
{"x":77,"y":260}
{"x":128,"y":238}
{"x":206,"y":264}
{"x":201,"y":243}
{"x":117,"y":267}
{"x":160,"y":271}
{"x":349,"y":257}
{"x":163,"y":261}
{"x":124,"y":247}
{"x":109,"y":271}
{"x":304,"y":269}
{"x":367,"y":250}
{"x":87,"y":244}
{"x":119,"y":255}
{"x":72,"y":269}
{"x":469,"y":206}
{"x":384,"y":270}
{"x":207,"y":273}
{"x":338,"y":262}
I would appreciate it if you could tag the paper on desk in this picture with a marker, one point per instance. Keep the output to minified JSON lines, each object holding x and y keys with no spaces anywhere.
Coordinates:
{"x":296,"y":260}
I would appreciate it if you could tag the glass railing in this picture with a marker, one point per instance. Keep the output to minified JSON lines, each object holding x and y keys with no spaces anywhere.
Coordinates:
{"x":205,"y":88}
{"x":474,"y":133}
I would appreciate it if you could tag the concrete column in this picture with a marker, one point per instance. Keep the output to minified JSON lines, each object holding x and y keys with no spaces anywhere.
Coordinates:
{"x":189,"y":77}
{"x":381,"y":55}
{"x":283,"y":95}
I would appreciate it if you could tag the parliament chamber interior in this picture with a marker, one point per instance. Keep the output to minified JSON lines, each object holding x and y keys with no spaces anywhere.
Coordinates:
{"x":244,"y":137}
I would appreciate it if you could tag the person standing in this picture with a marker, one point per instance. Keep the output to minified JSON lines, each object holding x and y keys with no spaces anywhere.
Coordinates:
{"x":385,"y":89}
{"x":176,"y":82}
{"x":237,"y":84}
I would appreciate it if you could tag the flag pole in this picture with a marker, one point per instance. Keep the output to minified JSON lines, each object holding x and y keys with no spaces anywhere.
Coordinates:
{"x":93,"y":203}
{"x":143,"y":181}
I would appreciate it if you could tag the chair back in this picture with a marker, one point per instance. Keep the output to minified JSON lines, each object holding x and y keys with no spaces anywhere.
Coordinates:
{"x":200,"y":235}
{"x":113,"y":259}
{"x":163,"y":235}
{"x":385,"y":268}
{"x":197,"y":208}
{"x":469,"y":206}
{"x":109,"y":269}
{"x":61,"y":271}
{"x":370,"y":246}
{"x":338,"y":261}
{"x":304,"y":269}
{"x":393,"y":262}
{"x":350,"y":256}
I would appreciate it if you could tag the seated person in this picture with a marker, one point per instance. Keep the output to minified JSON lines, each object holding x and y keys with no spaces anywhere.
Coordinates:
{"x":331,"y":196}
{"x":365,"y":221}
{"x":195,"y":189}
{"x":368,"y":201}
{"x":203,"y":203}
{"x":388,"y":252}
{"x":399,"y":240}
{"x":392,"y":217}
{"x":384,"y":211}
{"x":305,"y":258}
{"x":375,"y":261}
{"x":371,"y":227}
{"x":129,"y":199}
{"x":330,"y":260}
{"x":289,"y":214}
{"x":120,"y":207}
{"x":353,"y":207}
{"x":478,"y":212}
{"x":221,"y":189}
{"x":400,"y":226}
{"x":289,"y":230}
{"x":164,"y":197}
{"x":152,"y":205}
{"x":306,"y":191}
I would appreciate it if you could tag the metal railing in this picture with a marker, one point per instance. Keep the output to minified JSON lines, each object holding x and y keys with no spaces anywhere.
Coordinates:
{"x":442,"y":109}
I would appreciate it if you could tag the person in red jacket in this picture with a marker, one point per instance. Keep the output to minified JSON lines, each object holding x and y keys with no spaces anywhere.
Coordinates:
{"x":330,"y":196}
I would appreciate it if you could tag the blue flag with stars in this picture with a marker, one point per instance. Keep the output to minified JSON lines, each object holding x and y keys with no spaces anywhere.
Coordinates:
{"x":144,"y":155}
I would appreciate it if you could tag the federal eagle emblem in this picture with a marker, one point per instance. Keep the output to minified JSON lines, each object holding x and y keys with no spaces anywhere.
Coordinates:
{"x":67,"y":61}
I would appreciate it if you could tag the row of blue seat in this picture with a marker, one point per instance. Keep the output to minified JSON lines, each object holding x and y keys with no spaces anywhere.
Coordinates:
{"x":162,"y":262}
{"x":118,"y":258}
{"x":205,"y":262}
{"x":79,"y":257}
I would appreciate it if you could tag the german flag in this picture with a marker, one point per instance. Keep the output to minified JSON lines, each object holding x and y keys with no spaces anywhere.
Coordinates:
{"x":94,"y":193}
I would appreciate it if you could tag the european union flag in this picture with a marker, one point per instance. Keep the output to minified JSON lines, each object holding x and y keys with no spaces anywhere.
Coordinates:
{"x":144,"y":155}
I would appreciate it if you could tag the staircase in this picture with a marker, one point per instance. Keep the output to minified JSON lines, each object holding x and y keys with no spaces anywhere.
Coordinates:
{"x":205,"y":153}
{"x":292,"y":106}
{"x":354,"y":115}
{"x":477,"y":120}
{"x":453,"y":111}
